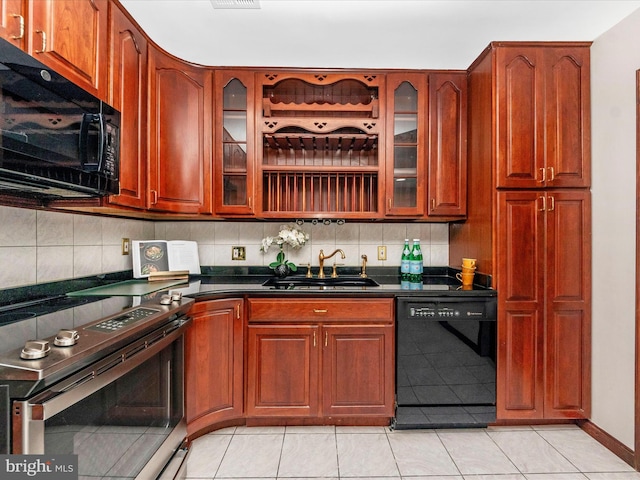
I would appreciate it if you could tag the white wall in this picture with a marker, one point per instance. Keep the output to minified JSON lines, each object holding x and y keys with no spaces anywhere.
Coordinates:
{"x":615,"y":57}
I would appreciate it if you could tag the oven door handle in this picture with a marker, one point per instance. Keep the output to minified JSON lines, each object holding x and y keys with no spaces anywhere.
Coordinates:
{"x":51,"y":402}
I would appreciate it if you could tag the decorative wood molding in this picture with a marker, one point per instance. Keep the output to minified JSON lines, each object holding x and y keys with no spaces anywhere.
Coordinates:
{"x":636,"y":456}
{"x":616,"y":446}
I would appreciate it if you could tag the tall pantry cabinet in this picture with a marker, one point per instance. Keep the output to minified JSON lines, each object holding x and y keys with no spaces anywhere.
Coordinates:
{"x":529,"y":221}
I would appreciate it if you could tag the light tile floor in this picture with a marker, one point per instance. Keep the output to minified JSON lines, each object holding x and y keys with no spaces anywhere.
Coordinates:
{"x":496,"y":453}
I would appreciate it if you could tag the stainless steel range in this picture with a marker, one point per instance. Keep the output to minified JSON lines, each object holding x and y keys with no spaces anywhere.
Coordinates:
{"x":110,"y":391}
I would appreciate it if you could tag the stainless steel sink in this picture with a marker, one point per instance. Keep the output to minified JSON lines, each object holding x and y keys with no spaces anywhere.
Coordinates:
{"x":293,"y":282}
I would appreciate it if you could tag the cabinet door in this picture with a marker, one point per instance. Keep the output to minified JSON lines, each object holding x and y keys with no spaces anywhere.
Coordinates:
{"x":282,"y":371}
{"x":180,"y":108}
{"x":405,"y":172}
{"x":520,"y":281}
{"x":520,"y":129}
{"x":234,"y":147}
{"x":12,"y":21}
{"x":70,"y":36}
{"x":568,"y":322}
{"x":447,"y":191}
{"x":128,"y":94}
{"x":544,"y":277}
{"x":568,"y":124}
{"x":213,"y":364}
{"x":358,"y":376}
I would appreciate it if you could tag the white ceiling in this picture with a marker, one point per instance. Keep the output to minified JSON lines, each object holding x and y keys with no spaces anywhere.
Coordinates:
{"x":429,"y":34}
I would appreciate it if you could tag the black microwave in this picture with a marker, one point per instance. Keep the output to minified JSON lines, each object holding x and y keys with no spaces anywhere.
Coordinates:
{"x":56,"y":140}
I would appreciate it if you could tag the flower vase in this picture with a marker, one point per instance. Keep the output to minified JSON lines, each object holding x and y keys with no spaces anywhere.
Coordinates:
{"x":281,"y":270}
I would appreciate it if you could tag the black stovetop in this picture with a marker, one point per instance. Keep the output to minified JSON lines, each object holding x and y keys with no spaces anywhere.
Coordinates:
{"x":41,"y":306}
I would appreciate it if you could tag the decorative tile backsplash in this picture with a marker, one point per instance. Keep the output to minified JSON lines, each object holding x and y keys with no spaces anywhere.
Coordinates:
{"x":40,"y":246}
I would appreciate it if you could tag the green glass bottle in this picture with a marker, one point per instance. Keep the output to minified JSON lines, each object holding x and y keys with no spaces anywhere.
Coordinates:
{"x":416,"y":264}
{"x":405,"y":262}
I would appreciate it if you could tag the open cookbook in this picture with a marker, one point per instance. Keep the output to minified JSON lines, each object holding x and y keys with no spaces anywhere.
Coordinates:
{"x":152,"y":257}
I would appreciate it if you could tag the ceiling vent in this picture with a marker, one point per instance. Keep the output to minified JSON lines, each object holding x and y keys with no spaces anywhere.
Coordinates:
{"x":244,"y":4}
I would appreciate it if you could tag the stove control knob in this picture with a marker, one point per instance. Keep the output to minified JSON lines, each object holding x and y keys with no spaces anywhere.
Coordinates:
{"x":165,"y":300}
{"x":66,"y":338}
{"x":176,"y":296}
{"x":35,"y":349}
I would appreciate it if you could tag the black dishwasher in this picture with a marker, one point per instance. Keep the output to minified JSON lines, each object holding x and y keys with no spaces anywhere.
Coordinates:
{"x":445,"y":362}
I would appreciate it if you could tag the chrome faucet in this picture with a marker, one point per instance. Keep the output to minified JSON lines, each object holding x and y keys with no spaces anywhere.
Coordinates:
{"x":322,"y":257}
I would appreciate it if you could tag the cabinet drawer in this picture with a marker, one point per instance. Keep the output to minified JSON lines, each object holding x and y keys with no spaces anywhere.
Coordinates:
{"x":379,"y":310}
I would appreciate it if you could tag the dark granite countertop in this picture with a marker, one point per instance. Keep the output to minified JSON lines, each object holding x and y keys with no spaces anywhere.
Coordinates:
{"x":437,"y":281}
{"x":223,"y":282}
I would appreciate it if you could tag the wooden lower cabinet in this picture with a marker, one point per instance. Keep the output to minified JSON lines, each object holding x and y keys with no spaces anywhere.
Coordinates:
{"x":320,"y":372}
{"x":356,"y":378}
{"x":544,"y":276}
{"x":213,"y":364}
{"x":282,"y":370}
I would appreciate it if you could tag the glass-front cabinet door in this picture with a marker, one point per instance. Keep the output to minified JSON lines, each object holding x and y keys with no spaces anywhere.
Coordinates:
{"x":234,"y":191}
{"x":405,"y":153}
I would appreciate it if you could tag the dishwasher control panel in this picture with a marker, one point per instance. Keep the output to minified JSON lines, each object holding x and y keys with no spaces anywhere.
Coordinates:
{"x":445,"y":310}
{"x":434,"y":312}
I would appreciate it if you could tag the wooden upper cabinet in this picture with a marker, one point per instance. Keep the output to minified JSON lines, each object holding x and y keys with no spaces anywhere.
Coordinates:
{"x":180,"y":114}
{"x":519,"y":129}
{"x":234,"y":154}
{"x":447,"y":189}
{"x":543,"y":127}
{"x":13,"y":21}
{"x":128,"y":94}
{"x":71,"y":37}
{"x":407,"y":118}
{"x":568,"y":117}
{"x":319,"y":137}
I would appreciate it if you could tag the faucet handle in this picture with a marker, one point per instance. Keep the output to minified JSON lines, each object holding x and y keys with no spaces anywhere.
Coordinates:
{"x":334,"y":274}
{"x":309,"y":274}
